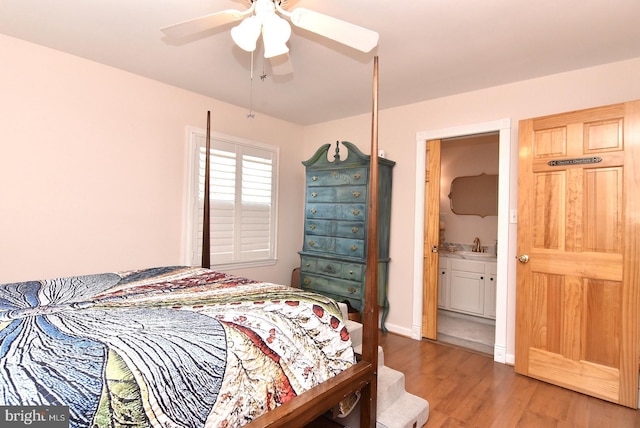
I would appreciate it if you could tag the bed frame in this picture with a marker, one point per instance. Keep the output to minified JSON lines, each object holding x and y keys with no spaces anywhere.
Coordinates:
{"x":362,"y":376}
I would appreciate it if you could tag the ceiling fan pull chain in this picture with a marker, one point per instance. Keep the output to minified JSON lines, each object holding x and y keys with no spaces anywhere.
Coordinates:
{"x":251,"y":114}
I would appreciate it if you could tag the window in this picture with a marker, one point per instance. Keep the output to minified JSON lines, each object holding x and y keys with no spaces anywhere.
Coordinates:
{"x":243,"y":183}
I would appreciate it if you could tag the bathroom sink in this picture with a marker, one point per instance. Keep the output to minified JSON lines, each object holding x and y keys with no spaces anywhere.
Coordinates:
{"x":474,"y":255}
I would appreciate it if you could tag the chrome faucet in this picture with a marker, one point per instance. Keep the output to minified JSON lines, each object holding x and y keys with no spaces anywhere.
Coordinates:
{"x":476,"y":246}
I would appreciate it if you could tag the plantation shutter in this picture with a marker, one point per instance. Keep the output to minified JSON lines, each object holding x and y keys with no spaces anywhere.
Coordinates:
{"x":242,"y":192}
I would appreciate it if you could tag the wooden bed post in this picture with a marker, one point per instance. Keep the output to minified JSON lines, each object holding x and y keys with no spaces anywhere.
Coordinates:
{"x":206,"y":221}
{"x":370,"y":316}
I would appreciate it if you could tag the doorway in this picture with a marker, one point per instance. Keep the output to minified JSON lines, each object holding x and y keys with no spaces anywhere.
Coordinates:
{"x":467,"y":240}
{"x":504,"y":324}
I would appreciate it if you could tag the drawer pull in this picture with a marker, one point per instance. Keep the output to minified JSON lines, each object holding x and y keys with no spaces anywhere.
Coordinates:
{"x":312,"y":226}
{"x":312,"y":243}
{"x":308,"y":265}
{"x":313,"y":211}
{"x":307,"y":281}
{"x":354,"y":248}
{"x":357,"y":176}
{"x":314,"y":194}
{"x":314,"y":178}
{"x":351,"y":290}
{"x":356,"y":212}
{"x":356,"y":194}
{"x":350,"y":272}
{"x":355,"y":229}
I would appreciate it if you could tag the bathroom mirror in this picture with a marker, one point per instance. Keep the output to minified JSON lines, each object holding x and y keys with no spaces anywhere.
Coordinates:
{"x":474,"y":195}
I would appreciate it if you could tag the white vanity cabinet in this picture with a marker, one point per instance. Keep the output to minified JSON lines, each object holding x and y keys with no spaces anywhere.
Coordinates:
{"x":467,"y":286}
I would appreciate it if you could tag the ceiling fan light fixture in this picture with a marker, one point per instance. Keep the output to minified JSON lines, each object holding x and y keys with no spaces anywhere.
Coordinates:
{"x":246,"y":34}
{"x":275,"y":35}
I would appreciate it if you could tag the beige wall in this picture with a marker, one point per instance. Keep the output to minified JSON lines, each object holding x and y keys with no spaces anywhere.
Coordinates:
{"x":92,"y":167}
{"x":607,"y":84}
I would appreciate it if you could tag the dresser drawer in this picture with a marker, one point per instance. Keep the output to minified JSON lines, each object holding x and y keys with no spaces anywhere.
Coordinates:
{"x":334,"y":268}
{"x":330,"y":285}
{"x":337,"y":177}
{"x":353,"y":271}
{"x":337,"y":194}
{"x":308,"y":263}
{"x":343,"y":229}
{"x":335,"y":246}
{"x":336,"y":211}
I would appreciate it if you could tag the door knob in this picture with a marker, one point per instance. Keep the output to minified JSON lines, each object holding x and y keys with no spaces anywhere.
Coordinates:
{"x":523,"y":258}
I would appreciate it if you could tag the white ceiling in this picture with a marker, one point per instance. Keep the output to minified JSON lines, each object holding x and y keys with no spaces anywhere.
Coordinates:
{"x":428,"y":48}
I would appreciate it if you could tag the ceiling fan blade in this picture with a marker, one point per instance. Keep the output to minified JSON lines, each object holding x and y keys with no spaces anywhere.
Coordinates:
{"x":348,"y":34}
{"x":203,"y":23}
{"x":281,"y":65}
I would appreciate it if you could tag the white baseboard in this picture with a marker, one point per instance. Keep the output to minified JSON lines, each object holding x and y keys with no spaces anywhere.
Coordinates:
{"x":402,"y":331}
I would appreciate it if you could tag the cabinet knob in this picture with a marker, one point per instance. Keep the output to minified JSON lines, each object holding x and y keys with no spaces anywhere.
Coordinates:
{"x":482,"y":277}
{"x":307,"y":281}
{"x":356,"y":212}
{"x":312,"y":243}
{"x":350,"y":272}
{"x":357,"y":176}
{"x":313,"y":211}
{"x":314,"y":178}
{"x":312,"y":226}
{"x":314,"y":194}
{"x":354,"y":248}
{"x":308,"y":265}
{"x":351,"y":290}
{"x":355,"y":229}
{"x":356,"y":194}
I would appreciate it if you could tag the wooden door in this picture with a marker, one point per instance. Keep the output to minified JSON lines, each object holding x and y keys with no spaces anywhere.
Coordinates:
{"x":577,"y":291}
{"x":431,"y":241}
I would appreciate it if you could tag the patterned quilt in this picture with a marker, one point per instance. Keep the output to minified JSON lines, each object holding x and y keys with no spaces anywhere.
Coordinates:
{"x":165,"y":347}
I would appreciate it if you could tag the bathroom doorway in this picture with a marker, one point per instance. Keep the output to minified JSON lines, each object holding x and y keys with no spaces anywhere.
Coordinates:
{"x":425,"y":301}
{"x":467,"y":241}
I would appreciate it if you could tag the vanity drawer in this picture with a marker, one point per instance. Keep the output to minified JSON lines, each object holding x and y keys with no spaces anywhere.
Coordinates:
{"x":467,"y":265}
{"x":337,"y":177}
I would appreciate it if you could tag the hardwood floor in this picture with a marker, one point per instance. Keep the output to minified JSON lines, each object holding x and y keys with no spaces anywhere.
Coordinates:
{"x":468,"y":389}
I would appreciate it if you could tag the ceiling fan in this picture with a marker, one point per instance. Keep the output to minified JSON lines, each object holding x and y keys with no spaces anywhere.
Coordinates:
{"x":261,"y":19}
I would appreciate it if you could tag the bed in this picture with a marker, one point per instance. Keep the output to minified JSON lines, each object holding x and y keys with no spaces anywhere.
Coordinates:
{"x":188,"y":346}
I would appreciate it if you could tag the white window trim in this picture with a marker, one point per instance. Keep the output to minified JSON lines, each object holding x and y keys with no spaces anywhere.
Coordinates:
{"x":192,"y":235}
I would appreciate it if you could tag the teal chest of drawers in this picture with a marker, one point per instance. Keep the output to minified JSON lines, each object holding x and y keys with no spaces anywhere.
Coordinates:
{"x":333,"y":257}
